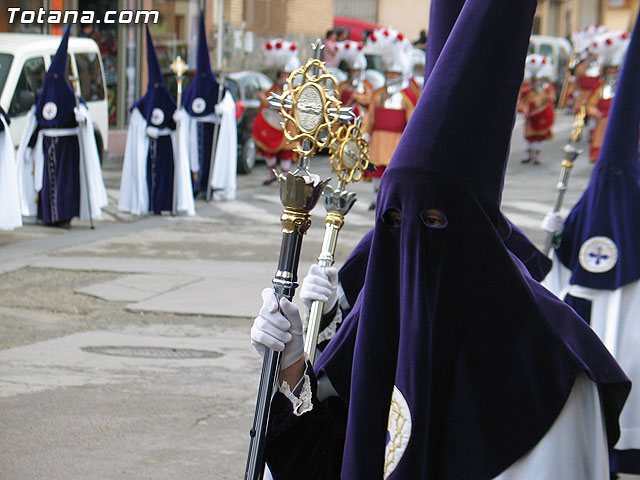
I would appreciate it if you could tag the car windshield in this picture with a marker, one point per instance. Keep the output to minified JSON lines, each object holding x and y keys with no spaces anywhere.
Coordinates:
{"x":5,"y":64}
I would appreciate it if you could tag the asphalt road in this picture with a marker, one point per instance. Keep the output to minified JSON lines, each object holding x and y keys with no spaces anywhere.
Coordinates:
{"x":124,"y":350}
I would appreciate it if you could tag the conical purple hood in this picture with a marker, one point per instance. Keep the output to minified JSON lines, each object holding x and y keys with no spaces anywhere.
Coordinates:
{"x":153,"y":66}
{"x":54,"y":108}
{"x":442,"y":18}
{"x":201,"y":97}
{"x":156,"y":105}
{"x":600,"y":237}
{"x":461,"y":128}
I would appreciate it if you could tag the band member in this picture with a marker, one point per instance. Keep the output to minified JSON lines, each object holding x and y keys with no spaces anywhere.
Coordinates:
{"x":392,"y":105}
{"x":268,"y":133}
{"x":10,"y":213}
{"x":596,"y":264}
{"x":585,"y":66}
{"x":155,"y":174}
{"x":537,"y":100}
{"x":207,"y":104}
{"x":449,"y":327}
{"x":356,"y":91}
{"x":58,"y":180}
{"x":610,"y":48}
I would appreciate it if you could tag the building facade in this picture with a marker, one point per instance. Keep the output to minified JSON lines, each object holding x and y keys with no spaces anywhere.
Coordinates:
{"x":239,"y":27}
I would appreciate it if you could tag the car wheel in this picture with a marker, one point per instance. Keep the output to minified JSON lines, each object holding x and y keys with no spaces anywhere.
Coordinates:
{"x":247,"y":157}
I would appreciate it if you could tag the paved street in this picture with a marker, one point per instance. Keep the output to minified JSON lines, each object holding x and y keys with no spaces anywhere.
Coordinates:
{"x":124,"y":351}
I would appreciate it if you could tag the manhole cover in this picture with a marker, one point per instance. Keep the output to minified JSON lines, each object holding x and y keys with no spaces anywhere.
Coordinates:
{"x":152,"y":352}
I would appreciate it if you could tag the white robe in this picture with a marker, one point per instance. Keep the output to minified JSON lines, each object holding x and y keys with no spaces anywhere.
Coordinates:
{"x":31,"y":167}
{"x":134,"y":193}
{"x":614,"y":317}
{"x":225,"y":161}
{"x":10,"y":212}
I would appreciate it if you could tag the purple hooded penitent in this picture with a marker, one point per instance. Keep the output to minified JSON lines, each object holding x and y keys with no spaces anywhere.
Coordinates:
{"x":59,"y":199}
{"x":200,"y":100}
{"x":600,"y":240}
{"x":450,"y":336}
{"x":157,"y":107}
{"x":204,"y":88}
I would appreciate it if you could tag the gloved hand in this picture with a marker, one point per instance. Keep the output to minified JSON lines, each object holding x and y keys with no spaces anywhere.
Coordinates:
{"x":283,"y":333}
{"x":320,"y":284}
{"x":218,"y":109}
{"x":552,"y":222}
{"x":176,"y":116}
{"x":80,"y":117}
{"x":367,"y":137}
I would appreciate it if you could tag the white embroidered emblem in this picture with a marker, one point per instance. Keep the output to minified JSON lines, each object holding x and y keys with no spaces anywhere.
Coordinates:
{"x":49,"y":111}
{"x":398,"y":431}
{"x":157,"y":116}
{"x":198,"y":105}
{"x":598,"y":255}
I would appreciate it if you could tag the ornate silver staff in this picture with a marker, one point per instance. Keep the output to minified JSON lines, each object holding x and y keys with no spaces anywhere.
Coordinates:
{"x":310,"y":112}
{"x":179,"y":68}
{"x":349,"y":159}
{"x":83,"y":160}
{"x":571,"y":153}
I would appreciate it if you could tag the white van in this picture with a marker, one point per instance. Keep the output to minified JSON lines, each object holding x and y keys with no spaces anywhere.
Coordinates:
{"x":24,"y":60}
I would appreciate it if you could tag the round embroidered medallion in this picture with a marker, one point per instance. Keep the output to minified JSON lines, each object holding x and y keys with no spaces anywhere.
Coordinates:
{"x":598,"y":255}
{"x":49,"y":111}
{"x":198,"y":105}
{"x":157,"y":116}
{"x":398,"y":432}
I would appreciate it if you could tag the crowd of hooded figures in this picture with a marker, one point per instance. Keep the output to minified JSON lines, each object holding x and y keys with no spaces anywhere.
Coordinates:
{"x":450,"y":346}
{"x":170,"y":155}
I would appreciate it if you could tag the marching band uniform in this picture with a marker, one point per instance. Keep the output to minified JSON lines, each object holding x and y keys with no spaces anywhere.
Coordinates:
{"x":391,"y":106}
{"x":268,"y":133}
{"x":587,"y":71}
{"x":596,"y":264}
{"x":442,"y":350}
{"x":205,"y":104}
{"x":356,"y":91}
{"x":610,"y":48}
{"x":537,"y":101}
{"x":155,"y":173}
{"x":10,"y":216}
{"x":53,"y":172}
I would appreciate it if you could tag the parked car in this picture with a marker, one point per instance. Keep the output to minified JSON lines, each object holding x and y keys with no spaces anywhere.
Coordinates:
{"x":244,"y":88}
{"x":24,"y":61}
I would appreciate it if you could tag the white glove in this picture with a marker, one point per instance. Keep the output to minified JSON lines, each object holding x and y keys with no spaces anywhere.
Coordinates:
{"x":552,"y":222}
{"x":80,"y":117}
{"x":367,"y":137}
{"x":176,"y":116}
{"x":283,"y":333}
{"x":320,"y":284}
{"x":218,"y":109}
